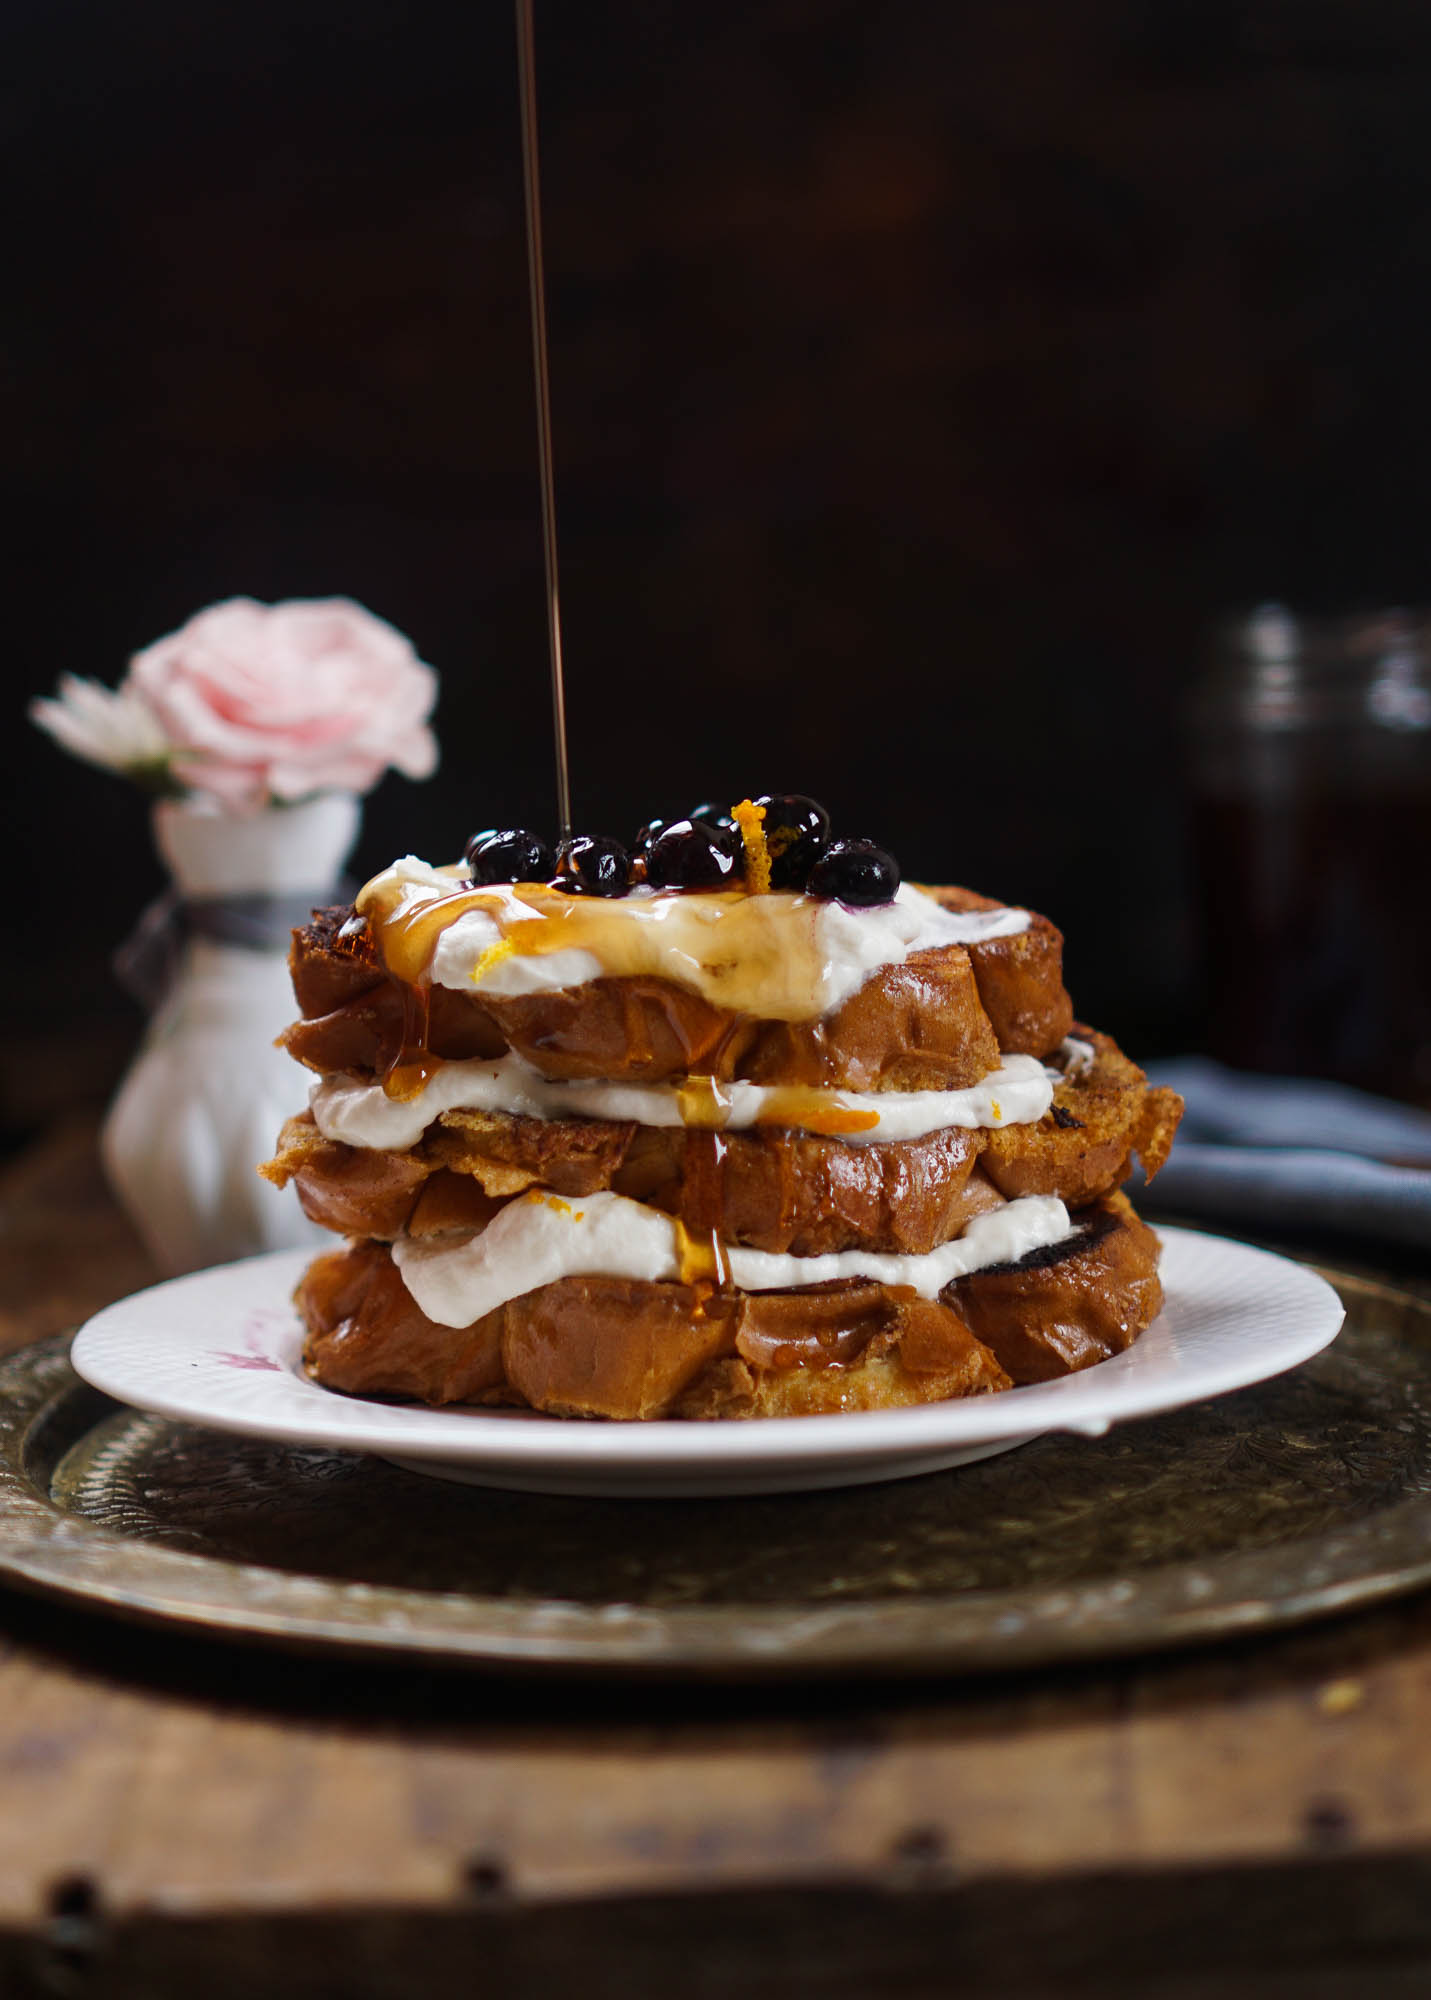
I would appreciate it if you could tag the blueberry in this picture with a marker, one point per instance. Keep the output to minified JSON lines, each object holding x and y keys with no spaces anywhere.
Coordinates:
{"x":855,"y":871}
{"x":688,"y":856}
{"x":711,"y":814}
{"x":515,"y":855}
{"x":593,"y":864}
{"x":647,"y":834}
{"x":797,"y":832}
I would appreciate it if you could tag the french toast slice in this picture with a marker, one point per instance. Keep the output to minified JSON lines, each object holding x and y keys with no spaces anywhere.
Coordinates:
{"x":769,"y":1189}
{"x":1020,"y":978}
{"x":636,"y":1350}
{"x":1103,"y":1113}
{"x":925,"y":1024}
{"x":775,"y":1189}
{"x":1055,"y":1314}
{"x":631,"y":1349}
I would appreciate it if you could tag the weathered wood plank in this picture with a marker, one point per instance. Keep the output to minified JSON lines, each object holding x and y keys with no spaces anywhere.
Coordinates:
{"x":1310,"y":1931}
{"x":210,"y":1779}
{"x":65,"y":1249}
{"x":197,"y":1782}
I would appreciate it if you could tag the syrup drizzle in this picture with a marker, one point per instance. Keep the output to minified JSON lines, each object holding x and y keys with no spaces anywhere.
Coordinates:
{"x":705,"y":1106}
{"x":754,"y":955}
{"x":414,"y":1064}
{"x":406,"y":944}
{"x":407,"y":941}
{"x":704,"y":1259}
{"x":536,"y":284}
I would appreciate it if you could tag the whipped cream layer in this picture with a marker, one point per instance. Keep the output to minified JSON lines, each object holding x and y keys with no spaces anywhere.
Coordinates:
{"x":1078,"y":1057}
{"x":780,"y":957}
{"x":539,"y":1238}
{"x":362,"y":1114}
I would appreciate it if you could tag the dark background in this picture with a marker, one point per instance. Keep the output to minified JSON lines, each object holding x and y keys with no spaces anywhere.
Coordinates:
{"x":926,"y":377}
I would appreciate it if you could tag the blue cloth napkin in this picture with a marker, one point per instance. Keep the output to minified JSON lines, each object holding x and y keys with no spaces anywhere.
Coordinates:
{"x":1281,"y":1152}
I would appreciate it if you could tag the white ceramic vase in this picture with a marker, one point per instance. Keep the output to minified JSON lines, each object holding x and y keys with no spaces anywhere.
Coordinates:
{"x":206,"y":1095}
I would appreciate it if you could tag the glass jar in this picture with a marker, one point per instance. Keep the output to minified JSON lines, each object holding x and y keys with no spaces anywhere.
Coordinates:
{"x":1311,"y":787}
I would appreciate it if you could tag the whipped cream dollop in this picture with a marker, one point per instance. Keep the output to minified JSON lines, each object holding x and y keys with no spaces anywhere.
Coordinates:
{"x":539,"y":1238}
{"x":781,"y":957}
{"x":362,"y":1114}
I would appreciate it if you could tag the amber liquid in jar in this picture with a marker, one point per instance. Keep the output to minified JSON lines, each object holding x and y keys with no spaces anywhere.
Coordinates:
{"x":1312,"y":842}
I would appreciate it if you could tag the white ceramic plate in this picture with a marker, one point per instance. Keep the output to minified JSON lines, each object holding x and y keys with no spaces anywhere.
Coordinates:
{"x":223,"y":1348}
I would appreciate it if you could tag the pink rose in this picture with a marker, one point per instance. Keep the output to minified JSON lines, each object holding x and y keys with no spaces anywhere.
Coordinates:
{"x":276,"y":701}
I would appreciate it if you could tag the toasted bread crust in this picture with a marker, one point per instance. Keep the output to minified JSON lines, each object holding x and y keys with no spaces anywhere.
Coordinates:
{"x":1020,"y":978}
{"x":935,"y":1022}
{"x":1083,"y":1147}
{"x":366,"y":1334}
{"x":920,"y":1352}
{"x":767,"y":1190}
{"x":633,"y":1351}
{"x":1046,"y":1320}
{"x":628,"y":1349}
{"x":772,"y":1189}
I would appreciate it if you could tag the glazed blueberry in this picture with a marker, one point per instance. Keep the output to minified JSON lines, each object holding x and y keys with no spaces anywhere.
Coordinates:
{"x":797,"y":832}
{"x":711,"y":814}
{"x":855,"y":871}
{"x":647,"y":835}
{"x":593,"y":864}
{"x":515,"y":855}
{"x":691,"y":856}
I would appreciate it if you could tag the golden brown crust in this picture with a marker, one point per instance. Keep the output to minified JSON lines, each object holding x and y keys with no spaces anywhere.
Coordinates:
{"x":1020,"y":978}
{"x":1048,"y":1320}
{"x":767,"y":1189}
{"x":366,"y":1335}
{"x":367,"y":1033}
{"x":920,"y":1352}
{"x":1083,"y":1146}
{"x":802,"y":1195}
{"x":1157,"y":1127}
{"x":920,"y":1025}
{"x":612,"y":1347}
{"x":624,"y":1348}
{"x":627,"y":1349}
{"x":936,"y":1022}
{"x":915,"y":1026}
{"x":352,"y":1190}
{"x":641,"y":1029}
{"x":331,"y":961}
{"x":509,"y":1154}
{"x":617,"y":1348}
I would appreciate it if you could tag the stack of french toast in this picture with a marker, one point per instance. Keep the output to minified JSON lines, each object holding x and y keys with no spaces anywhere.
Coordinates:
{"x":701,"y":1145}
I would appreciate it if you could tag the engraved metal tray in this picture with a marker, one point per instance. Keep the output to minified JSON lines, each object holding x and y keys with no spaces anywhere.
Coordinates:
{"x":1302,"y":1496}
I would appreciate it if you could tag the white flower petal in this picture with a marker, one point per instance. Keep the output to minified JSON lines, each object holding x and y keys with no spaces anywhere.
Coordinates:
{"x":111,"y":727}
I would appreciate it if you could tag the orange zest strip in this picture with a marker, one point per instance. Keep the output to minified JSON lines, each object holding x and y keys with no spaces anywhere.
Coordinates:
{"x":493,"y":955}
{"x":748,"y":816}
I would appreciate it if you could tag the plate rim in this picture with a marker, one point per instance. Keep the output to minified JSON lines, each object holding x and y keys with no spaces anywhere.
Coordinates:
{"x":93,"y":1567}
{"x":473,"y":1436}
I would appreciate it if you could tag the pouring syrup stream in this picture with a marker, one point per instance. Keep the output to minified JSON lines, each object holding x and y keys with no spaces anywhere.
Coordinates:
{"x":527,"y":73}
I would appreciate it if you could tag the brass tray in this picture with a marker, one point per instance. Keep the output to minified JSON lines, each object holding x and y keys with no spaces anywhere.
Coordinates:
{"x":1291,"y":1500}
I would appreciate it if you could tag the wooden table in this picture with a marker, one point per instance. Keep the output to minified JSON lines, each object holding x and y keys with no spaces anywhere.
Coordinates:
{"x":177,"y":1816}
